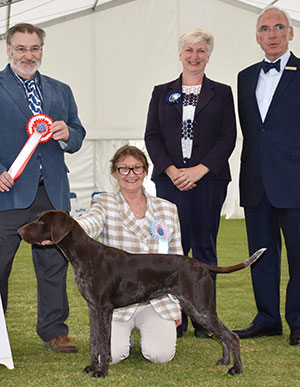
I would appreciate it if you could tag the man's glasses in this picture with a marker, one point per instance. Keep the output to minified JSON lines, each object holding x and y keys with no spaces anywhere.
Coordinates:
{"x":23,"y":50}
{"x":124,"y":171}
{"x":278,"y":29}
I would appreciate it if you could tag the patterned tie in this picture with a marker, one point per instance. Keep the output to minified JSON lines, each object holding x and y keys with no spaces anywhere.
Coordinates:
{"x":34,"y":101}
{"x":35,"y":105}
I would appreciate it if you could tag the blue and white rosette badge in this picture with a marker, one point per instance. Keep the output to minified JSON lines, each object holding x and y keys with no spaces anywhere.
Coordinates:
{"x":161,"y":233}
{"x":174,"y":97}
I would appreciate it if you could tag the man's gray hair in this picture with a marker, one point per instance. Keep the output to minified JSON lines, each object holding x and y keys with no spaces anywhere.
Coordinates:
{"x":273,"y":8}
{"x":23,"y":28}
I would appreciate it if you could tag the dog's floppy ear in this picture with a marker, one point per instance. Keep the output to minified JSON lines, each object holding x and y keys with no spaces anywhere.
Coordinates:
{"x":60,"y":225}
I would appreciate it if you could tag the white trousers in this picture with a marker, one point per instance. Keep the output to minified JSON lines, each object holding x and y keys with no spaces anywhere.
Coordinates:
{"x":158,"y":336}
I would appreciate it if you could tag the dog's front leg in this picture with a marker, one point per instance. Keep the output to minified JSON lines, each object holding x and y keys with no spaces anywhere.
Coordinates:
{"x":94,"y":339}
{"x":100,"y":325}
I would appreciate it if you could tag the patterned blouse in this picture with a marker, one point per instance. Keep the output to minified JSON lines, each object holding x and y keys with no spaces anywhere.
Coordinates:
{"x":189,"y":103}
{"x":111,"y":220}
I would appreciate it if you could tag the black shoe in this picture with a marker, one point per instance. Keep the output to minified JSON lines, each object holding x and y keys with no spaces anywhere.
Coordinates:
{"x":180,"y":333}
{"x":295,"y":336}
{"x":202,"y":333}
{"x":254,"y":330}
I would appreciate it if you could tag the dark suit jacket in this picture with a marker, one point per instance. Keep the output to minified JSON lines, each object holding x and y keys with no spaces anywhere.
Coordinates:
{"x":214,"y":129}
{"x":270,"y":159}
{"x":59,"y":104}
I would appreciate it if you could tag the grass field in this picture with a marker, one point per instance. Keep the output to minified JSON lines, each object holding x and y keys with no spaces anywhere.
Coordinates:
{"x":268,"y":361}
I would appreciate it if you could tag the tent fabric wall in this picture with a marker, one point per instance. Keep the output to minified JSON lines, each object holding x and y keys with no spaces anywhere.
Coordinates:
{"x":113,"y":58}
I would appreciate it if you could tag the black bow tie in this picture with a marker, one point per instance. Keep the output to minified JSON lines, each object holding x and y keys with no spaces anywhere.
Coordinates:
{"x":266,"y":66}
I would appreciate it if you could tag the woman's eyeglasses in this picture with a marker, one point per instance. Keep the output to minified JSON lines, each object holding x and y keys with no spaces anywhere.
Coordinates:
{"x":124,"y":171}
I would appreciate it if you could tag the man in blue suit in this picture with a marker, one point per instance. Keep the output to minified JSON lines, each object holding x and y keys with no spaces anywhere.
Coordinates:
{"x":43,"y":185}
{"x":269,"y":111}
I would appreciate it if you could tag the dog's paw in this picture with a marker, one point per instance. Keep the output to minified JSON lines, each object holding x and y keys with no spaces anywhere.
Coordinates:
{"x":99,"y":374}
{"x":235,"y":370}
{"x":89,"y":368}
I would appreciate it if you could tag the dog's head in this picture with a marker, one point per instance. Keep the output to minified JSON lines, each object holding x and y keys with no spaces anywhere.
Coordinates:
{"x":50,"y":227}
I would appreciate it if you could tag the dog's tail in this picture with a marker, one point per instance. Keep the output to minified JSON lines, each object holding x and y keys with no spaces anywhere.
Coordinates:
{"x":239,"y":266}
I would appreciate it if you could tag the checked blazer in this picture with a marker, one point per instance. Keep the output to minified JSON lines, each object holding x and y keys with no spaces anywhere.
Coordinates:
{"x":111,"y":220}
{"x":270,"y":159}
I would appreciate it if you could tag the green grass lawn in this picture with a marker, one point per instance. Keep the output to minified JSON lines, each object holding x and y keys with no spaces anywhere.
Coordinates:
{"x":267,"y":361}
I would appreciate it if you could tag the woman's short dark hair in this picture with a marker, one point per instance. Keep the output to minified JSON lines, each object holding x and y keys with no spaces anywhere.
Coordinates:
{"x":23,"y":28}
{"x":128,"y":150}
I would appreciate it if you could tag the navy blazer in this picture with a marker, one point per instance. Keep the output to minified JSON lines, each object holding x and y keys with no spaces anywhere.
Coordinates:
{"x":59,"y":104}
{"x":270,"y":159}
{"x":214,"y":129}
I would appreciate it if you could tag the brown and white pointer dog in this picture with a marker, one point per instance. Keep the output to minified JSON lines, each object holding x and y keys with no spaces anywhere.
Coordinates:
{"x":110,"y":278}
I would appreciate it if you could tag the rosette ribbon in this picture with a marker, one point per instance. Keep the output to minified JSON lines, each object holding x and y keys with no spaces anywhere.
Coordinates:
{"x":161,"y":233}
{"x":38,"y":130}
{"x":174,"y":97}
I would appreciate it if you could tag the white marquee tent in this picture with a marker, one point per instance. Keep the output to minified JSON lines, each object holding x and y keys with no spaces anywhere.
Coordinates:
{"x":113,"y":52}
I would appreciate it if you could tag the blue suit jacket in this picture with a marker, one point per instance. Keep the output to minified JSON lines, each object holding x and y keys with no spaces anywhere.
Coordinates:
{"x":214,"y":129}
{"x":59,"y":104}
{"x":270,"y":159}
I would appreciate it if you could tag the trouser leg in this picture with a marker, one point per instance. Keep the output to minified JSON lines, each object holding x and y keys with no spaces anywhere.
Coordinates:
{"x":10,"y":221}
{"x":290,"y":224}
{"x":51,"y":271}
{"x":263,"y":230}
{"x":120,"y":339}
{"x":158,"y":335}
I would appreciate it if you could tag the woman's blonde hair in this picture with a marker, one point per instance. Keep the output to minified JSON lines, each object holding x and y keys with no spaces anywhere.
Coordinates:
{"x":196,"y":35}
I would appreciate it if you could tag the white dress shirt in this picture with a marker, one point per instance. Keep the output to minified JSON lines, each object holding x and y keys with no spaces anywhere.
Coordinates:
{"x":267,"y":83}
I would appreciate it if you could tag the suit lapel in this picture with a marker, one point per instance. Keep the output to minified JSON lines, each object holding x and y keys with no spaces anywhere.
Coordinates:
{"x":176,"y":86}
{"x":285,"y":80}
{"x":252,"y":86}
{"x":12,"y":88}
{"x":47,"y":94}
{"x":206,"y":94}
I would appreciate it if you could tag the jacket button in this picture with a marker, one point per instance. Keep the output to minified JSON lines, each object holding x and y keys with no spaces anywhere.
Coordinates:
{"x":263,"y":129}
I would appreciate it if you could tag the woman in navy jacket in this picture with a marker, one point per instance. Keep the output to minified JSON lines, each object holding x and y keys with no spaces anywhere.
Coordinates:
{"x":190,"y":134}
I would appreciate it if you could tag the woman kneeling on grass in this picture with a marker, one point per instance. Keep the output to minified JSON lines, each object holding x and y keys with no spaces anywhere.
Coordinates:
{"x":129,"y":220}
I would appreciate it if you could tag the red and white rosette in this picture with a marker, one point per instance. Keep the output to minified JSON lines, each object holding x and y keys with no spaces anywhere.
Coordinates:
{"x":38,"y":129}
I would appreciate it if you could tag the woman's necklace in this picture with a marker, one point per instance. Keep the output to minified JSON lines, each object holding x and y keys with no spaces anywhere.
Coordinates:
{"x":139,"y":210}
{"x":138,"y":216}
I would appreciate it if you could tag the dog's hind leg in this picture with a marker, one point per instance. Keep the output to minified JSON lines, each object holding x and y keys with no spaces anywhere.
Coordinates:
{"x":225,"y":360}
{"x":230,"y":341}
{"x":236,"y":354}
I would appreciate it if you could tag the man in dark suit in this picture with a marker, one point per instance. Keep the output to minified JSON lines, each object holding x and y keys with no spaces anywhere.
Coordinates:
{"x":43,"y":185}
{"x":269,"y":111}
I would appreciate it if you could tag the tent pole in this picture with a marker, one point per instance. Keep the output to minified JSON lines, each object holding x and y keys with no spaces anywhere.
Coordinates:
{"x":8,"y":15}
{"x":95,"y":5}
